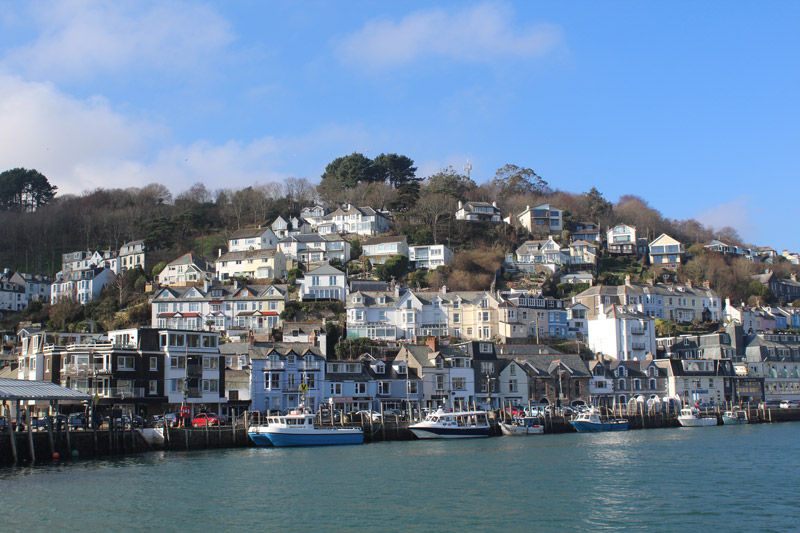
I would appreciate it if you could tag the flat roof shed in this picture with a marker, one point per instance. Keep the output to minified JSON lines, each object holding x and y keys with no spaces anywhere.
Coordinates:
{"x":20,"y":389}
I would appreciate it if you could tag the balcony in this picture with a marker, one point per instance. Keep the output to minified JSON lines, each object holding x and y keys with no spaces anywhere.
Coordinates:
{"x":274,"y":365}
{"x":308,"y":366}
{"x":295,"y":388}
{"x":638,"y":346}
{"x":636,"y":331}
{"x":121,"y":393}
{"x":85,"y":369}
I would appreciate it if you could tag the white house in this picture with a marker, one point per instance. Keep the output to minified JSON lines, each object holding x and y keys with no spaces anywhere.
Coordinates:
{"x":251,"y":264}
{"x":379,"y":249}
{"x":622,"y":332}
{"x":83,"y":286}
{"x":353,"y":219}
{"x":430,"y":256}
{"x":621,"y":239}
{"x":315,"y":248}
{"x":323,"y":283}
{"x":252,"y":239}
{"x":478,"y":212}
{"x":185,"y":270}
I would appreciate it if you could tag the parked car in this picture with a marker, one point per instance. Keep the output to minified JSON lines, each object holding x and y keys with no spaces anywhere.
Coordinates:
{"x":326,"y":415}
{"x":367,"y":414}
{"x":81,"y":421}
{"x":207,"y":419}
{"x":790,"y":404}
{"x":769,"y":404}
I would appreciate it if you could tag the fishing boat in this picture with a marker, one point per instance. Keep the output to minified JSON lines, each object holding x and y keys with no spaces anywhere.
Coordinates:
{"x":691,"y":417}
{"x":298,"y":429}
{"x":736,"y":416}
{"x":528,"y":425}
{"x":590,"y":421}
{"x":443,"y":424}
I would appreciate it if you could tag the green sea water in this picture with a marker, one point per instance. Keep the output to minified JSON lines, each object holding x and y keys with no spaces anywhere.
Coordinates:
{"x":733,"y":478}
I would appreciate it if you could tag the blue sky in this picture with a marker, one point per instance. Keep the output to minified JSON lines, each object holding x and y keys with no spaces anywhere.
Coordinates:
{"x":693,"y":106}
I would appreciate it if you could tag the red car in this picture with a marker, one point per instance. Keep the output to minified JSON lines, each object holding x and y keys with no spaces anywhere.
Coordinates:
{"x":207,"y":419}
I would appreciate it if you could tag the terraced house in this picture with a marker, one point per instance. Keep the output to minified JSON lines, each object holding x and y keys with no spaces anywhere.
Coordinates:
{"x":224,"y":308}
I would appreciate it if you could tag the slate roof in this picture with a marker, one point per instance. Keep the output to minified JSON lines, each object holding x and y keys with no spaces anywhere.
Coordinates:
{"x":247,"y":254}
{"x":371,"y":286}
{"x":228,"y":292}
{"x":248,"y":233}
{"x":324,"y":270}
{"x":383,"y":240}
{"x":262,"y":350}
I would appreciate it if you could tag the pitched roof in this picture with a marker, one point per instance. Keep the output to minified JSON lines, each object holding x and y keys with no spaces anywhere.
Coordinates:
{"x":247,"y":254}
{"x":325,"y":269}
{"x":18,"y":389}
{"x":382,"y":240}
{"x":249,"y":233}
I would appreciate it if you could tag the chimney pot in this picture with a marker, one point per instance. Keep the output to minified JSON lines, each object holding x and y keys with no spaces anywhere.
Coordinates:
{"x":432,"y":343}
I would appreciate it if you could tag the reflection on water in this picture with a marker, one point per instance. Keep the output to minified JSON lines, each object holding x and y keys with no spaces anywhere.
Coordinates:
{"x":655,"y":479}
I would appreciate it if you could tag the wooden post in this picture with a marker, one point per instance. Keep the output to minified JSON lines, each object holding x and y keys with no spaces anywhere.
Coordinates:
{"x":11,"y":433}
{"x":30,"y":435}
{"x":49,"y":426}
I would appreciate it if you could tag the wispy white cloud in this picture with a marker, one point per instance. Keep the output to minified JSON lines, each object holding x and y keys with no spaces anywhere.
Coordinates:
{"x":79,"y":38}
{"x":739,"y":213}
{"x":480,"y":33}
{"x":85,"y":144}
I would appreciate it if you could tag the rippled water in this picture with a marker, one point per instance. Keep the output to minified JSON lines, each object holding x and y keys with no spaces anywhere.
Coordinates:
{"x":740,"y":478}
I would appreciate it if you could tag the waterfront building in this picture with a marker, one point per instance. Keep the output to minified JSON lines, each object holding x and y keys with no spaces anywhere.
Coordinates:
{"x":313,"y":333}
{"x":398,"y":386}
{"x":622,"y":332}
{"x":373,"y":314}
{"x":513,"y":383}
{"x":775,"y":358}
{"x":701,"y":380}
{"x":446,"y":373}
{"x":616,"y":382}
{"x":277,"y":372}
{"x":140,"y":370}
{"x":530,"y":314}
{"x":232,"y":309}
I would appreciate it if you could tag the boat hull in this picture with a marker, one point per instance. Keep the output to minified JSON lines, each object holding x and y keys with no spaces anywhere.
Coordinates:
{"x":731,"y":420}
{"x":697,"y":422}
{"x":449,"y":433}
{"x":592,"y":427}
{"x":511,"y":430}
{"x":323,"y":437}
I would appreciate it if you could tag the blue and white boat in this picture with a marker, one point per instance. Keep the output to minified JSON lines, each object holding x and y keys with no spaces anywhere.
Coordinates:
{"x":589,"y":421}
{"x":442,"y":424}
{"x":298,"y":429}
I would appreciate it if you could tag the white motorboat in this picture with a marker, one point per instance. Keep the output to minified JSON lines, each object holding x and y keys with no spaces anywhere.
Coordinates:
{"x":691,"y":417}
{"x":442,"y":424}
{"x":528,"y":425}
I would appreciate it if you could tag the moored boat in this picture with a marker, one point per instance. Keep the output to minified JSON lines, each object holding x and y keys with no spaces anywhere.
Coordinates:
{"x":443,"y":424}
{"x":299,"y":429}
{"x":590,"y":421}
{"x":528,"y":425}
{"x":736,"y":416}
{"x":691,"y":417}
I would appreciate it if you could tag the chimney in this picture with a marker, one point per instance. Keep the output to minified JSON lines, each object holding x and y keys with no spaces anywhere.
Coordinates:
{"x":219,"y":252}
{"x":396,"y":290}
{"x":460,"y":205}
{"x":527,"y":208}
{"x":706,"y":284}
{"x":793,"y":276}
{"x":235,"y":284}
{"x":627,"y":280}
{"x":206,"y":285}
{"x":251,"y":338}
{"x":650,"y":281}
{"x":689,"y":283}
{"x":444,"y":289}
{"x":349,"y":206}
{"x":432,"y":343}
{"x":494,"y":204}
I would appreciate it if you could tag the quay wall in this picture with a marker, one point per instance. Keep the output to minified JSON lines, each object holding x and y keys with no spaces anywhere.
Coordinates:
{"x":39,"y":446}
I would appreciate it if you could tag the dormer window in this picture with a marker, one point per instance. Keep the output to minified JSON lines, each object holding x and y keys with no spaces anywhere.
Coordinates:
{"x":357,"y":299}
{"x":401,"y":370}
{"x":380,"y":369}
{"x":290,"y":359}
{"x":382,"y":299}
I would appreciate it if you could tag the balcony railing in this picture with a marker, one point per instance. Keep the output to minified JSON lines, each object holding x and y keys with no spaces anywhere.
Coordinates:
{"x":637,"y":332}
{"x":85,"y":369}
{"x":122,"y":393}
{"x":273,"y":365}
{"x":638,"y":346}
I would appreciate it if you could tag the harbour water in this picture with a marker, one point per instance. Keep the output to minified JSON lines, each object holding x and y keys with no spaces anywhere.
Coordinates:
{"x":740,"y":478}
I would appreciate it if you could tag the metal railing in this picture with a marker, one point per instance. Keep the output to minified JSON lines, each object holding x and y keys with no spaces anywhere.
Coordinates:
{"x":121,"y":393}
{"x":85,"y":369}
